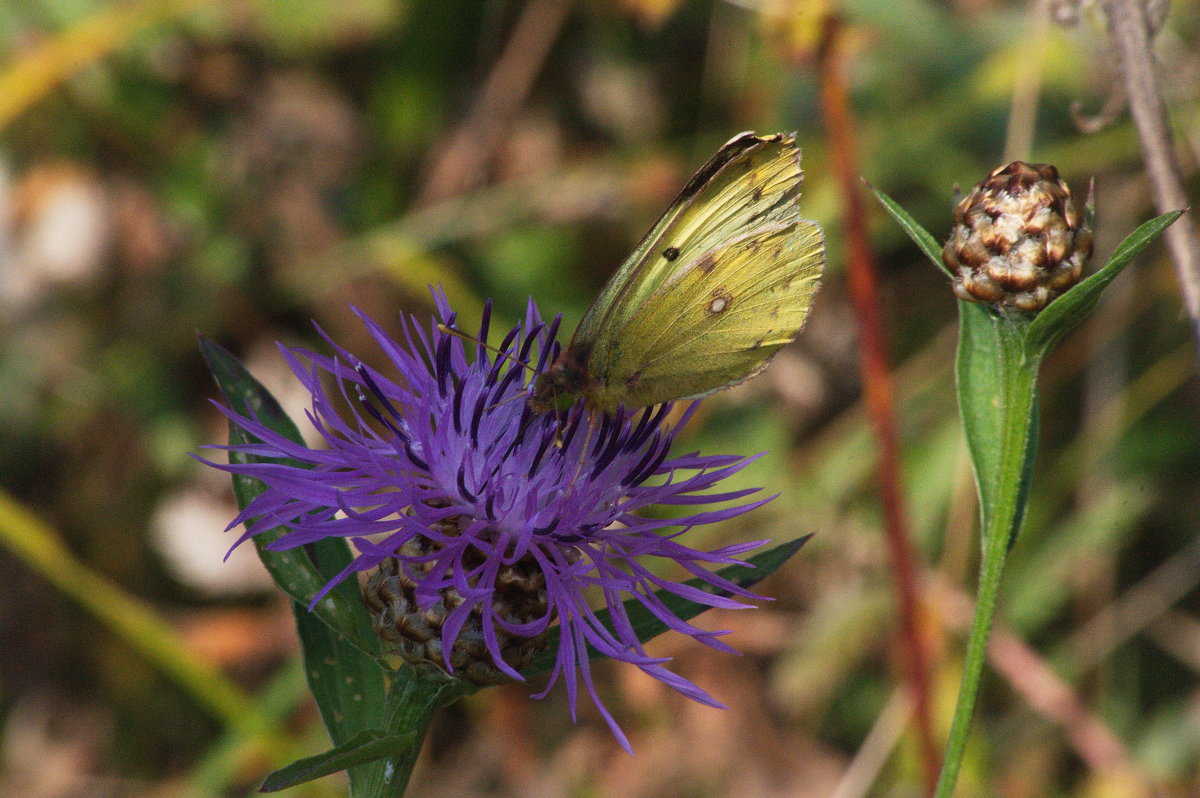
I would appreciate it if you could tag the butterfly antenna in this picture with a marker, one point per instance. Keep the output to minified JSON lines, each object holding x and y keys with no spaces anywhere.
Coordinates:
{"x":503,"y":402}
{"x":448,"y":330}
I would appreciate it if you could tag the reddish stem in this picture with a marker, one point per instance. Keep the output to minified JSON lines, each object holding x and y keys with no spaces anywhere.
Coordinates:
{"x":878,"y":388}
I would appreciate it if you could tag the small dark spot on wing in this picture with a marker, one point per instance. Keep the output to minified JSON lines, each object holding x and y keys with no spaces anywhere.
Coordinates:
{"x":707,"y":263}
{"x":671,"y":253}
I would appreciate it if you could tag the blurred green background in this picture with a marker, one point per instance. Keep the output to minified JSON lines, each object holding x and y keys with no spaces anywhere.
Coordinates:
{"x":241,"y":168}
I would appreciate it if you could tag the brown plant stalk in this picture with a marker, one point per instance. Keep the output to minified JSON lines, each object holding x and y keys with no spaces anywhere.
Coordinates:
{"x":460,"y":159}
{"x":878,"y":387}
{"x":1130,"y":29}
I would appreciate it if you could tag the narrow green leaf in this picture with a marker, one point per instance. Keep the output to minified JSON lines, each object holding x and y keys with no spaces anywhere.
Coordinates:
{"x":365,"y":747}
{"x":647,"y":626}
{"x":349,"y":686}
{"x":293,"y":570}
{"x":1031,"y":446}
{"x":979,"y":371}
{"x":1066,"y":312}
{"x":338,"y":644}
{"x":920,"y":236}
{"x":1089,"y":206}
{"x":242,"y":391}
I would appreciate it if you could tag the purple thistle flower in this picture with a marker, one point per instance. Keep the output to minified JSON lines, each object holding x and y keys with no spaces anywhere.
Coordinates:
{"x":448,"y":439}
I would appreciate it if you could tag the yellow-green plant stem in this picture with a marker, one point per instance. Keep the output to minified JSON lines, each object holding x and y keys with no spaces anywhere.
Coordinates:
{"x":44,"y":67}
{"x":412,"y":700}
{"x":990,"y":572}
{"x":1003,"y":507}
{"x":40,"y":547}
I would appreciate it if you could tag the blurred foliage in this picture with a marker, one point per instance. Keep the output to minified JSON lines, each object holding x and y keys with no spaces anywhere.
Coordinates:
{"x":243,"y":167}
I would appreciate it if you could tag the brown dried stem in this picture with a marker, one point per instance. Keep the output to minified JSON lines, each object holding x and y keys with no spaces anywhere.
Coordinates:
{"x":460,"y":162}
{"x":878,"y":386}
{"x":1129,"y":26}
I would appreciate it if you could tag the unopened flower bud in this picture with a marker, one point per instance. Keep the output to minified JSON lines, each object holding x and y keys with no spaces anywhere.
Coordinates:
{"x":416,"y":634}
{"x":1018,"y":240}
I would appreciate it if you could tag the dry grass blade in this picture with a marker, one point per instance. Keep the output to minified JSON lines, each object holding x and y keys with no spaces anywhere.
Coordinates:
{"x":460,"y":162}
{"x":36,"y":73}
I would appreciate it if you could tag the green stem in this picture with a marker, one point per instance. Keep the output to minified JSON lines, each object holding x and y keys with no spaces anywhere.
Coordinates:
{"x":1016,"y":406}
{"x":413,"y":697}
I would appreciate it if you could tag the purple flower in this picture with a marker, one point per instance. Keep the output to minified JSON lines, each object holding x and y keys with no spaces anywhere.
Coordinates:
{"x":443,"y":437}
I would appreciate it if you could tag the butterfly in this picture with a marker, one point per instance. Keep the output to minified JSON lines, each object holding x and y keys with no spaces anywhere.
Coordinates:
{"x":721,"y":282}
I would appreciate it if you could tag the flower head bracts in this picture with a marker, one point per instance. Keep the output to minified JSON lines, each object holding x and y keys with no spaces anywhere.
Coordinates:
{"x":448,"y":450}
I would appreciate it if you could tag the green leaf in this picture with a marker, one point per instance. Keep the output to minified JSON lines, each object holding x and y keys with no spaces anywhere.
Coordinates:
{"x":1065,"y":313}
{"x":980,"y":376}
{"x":349,"y":686}
{"x":1089,"y":206}
{"x":294,"y":569}
{"x":339,"y":647}
{"x":365,"y":747}
{"x":647,"y":626}
{"x":920,"y":236}
{"x":997,"y":399}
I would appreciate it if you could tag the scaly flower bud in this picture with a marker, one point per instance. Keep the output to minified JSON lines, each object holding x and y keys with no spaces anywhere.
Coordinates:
{"x":415,"y":632}
{"x":1018,"y":241}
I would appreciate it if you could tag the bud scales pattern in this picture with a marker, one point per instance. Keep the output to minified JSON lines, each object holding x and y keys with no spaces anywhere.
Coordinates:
{"x":415,"y":631}
{"x":1018,"y":241}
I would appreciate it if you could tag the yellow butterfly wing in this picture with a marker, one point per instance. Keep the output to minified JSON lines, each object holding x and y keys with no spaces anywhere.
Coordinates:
{"x":750,"y":184}
{"x":716,"y":321}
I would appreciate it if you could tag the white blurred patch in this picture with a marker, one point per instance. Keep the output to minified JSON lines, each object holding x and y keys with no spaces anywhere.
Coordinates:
{"x":266,"y":363}
{"x":622,"y":100}
{"x":186,"y":531}
{"x":54,"y":230}
{"x":51,"y":746}
{"x":799,"y":381}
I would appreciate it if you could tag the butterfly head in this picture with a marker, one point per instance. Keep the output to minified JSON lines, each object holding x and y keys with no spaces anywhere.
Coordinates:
{"x":561,"y":385}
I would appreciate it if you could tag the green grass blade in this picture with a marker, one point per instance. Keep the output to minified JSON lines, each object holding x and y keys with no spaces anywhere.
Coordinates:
{"x":364,"y":748}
